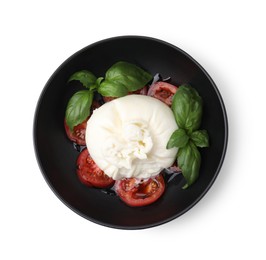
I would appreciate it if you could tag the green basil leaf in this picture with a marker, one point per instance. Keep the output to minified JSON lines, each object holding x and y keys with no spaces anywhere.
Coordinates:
{"x":129,"y":75}
{"x":189,"y":159}
{"x":187,"y":108}
{"x":98,"y":81}
{"x":179,"y":138}
{"x":78,"y":108}
{"x":112,"y":89}
{"x":200,"y":138}
{"x":85,"y":77}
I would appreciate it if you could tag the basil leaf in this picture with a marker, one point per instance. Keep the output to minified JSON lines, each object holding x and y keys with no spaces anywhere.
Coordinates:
{"x":98,"y":81}
{"x":187,"y":108}
{"x":189,"y":159}
{"x":129,"y":75}
{"x":78,"y":108}
{"x":85,"y":77}
{"x":112,"y":89}
{"x":200,"y":138}
{"x":179,"y":138}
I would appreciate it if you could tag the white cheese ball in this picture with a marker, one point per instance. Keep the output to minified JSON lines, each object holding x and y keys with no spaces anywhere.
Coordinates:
{"x":127,"y":137}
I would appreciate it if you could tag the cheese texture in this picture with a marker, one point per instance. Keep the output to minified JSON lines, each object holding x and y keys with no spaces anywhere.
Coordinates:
{"x":127,"y":137}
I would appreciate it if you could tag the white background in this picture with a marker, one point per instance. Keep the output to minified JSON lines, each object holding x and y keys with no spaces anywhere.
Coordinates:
{"x":225,"y":37}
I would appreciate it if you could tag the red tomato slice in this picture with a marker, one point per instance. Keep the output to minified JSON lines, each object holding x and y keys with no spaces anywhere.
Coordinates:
{"x":162,"y":91}
{"x":135,"y":192}
{"x":90,"y":174}
{"x":142,"y":91}
{"x":79,"y":131}
{"x":78,"y":134}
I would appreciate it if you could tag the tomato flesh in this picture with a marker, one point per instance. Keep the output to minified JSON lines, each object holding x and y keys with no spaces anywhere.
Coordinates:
{"x":90,"y":174}
{"x":136,"y":193}
{"x":163,"y":91}
{"x":78,"y":133}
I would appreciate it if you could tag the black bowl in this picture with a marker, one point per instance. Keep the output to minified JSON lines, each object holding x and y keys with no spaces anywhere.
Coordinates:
{"x":57,"y":157}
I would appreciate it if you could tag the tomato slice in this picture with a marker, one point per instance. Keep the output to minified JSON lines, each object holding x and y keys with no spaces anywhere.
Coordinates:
{"x":142,"y":91}
{"x":163,"y":91}
{"x":79,"y":131}
{"x":90,"y":174}
{"x":138,"y":192}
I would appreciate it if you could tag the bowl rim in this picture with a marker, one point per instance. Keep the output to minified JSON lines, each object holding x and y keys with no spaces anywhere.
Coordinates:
{"x":144,"y":226}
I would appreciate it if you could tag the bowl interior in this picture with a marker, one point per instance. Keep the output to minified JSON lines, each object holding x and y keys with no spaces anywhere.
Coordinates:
{"x":57,"y":157}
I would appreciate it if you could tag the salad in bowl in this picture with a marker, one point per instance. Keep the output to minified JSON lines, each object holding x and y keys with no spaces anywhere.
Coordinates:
{"x":130,"y":132}
{"x":134,"y":129}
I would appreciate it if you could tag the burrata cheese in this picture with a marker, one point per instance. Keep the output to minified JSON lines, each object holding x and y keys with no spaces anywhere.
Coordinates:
{"x":127,"y":137}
